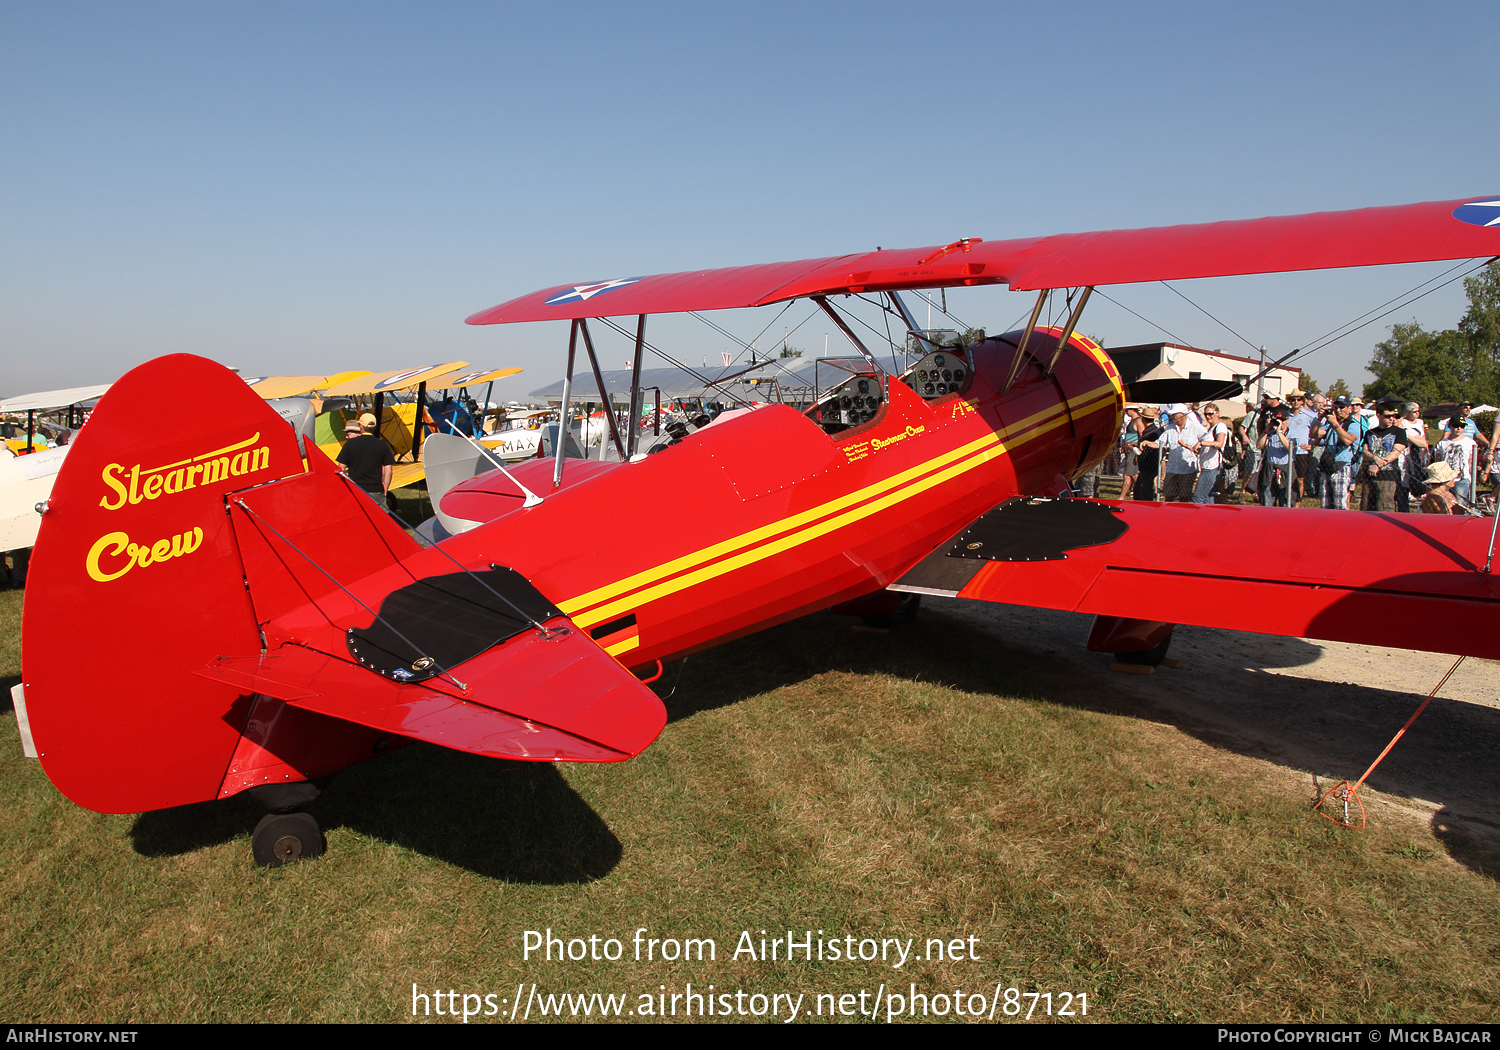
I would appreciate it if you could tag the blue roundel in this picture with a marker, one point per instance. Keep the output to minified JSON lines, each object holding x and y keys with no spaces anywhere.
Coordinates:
{"x":397,"y":380}
{"x":1479,"y":213}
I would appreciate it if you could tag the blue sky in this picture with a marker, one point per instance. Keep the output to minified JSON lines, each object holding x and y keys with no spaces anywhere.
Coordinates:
{"x":311,"y":187}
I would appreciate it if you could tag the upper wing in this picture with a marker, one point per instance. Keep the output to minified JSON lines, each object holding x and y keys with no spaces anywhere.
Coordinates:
{"x":50,"y":399}
{"x":1402,"y":580}
{"x":381,"y":382}
{"x":1324,"y":240}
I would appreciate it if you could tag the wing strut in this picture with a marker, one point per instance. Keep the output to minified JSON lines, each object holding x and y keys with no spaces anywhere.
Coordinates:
{"x":1062,"y":340}
{"x":1490,"y":554}
{"x":1036,"y":312}
{"x":609,"y":406}
{"x":635,"y":386}
{"x":822,"y":300}
{"x":563,"y":426}
{"x":911,"y":322}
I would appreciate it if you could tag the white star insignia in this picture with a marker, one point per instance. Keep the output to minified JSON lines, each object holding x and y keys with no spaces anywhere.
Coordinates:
{"x":1463,"y":213}
{"x":584,"y":292}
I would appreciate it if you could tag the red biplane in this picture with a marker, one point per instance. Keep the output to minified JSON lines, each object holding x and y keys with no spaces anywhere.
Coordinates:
{"x":221,"y":610}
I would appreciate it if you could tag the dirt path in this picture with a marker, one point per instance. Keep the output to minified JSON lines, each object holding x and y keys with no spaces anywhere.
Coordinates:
{"x":1323,"y":709}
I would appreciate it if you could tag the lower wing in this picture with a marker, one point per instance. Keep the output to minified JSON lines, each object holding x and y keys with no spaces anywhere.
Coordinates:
{"x":1402,"y":580}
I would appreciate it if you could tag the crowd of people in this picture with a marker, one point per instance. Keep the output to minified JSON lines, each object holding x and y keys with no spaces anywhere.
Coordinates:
{"x":1308,"y":446}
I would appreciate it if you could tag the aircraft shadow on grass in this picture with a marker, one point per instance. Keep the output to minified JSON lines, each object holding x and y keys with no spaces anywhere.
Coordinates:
{"x":515,"y":821}
{"x":522,"y":822}
{"x":1334,"y":728}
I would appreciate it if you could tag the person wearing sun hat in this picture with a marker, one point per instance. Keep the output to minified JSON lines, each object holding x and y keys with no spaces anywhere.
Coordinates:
{"x":1183,"y":441}
{"x":1440,"y":498}
{"x":1299,"y":432}
{"x":1149,"y":463}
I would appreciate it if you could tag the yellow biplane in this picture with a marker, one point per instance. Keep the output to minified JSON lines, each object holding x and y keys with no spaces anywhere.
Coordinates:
{"x":367,"y":391}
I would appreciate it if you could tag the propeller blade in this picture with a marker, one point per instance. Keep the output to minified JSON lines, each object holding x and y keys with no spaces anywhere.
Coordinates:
{"x":1168,"y":391}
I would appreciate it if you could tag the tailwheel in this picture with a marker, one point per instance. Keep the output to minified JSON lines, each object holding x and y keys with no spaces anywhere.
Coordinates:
{"x":281,"y":838}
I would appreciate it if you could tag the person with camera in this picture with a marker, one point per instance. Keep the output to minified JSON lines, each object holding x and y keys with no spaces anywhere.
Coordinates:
{"x":1337,"y":435}
{"x":1380,"y":455}
{"x":1299,"y":430}
{"x":1276,"y":454}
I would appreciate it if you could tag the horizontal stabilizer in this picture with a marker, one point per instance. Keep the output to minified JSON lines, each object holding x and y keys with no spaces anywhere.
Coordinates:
{"x":620,"y":718}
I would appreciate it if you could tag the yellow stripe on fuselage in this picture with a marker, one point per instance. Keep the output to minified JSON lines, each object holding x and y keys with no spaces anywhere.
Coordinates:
{"x":973,"y":454}
{"x":623,"y":647}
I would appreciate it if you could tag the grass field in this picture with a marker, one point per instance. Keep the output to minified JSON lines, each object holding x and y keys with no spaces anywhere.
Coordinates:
{"x":922,"y":785}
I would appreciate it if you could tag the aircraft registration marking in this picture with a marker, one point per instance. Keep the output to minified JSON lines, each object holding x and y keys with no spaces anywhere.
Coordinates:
{"x":793,"y":531}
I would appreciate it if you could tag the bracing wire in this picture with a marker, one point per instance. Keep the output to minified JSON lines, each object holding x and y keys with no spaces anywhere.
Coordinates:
{"x":1399,"y":306}
{"x":1153,"y":324}
{"x":1305,"y":352}
{"x":707,"y":382}
{"x":855,"y":317}
{"x":942,"y":310}
{"x":1388,"y":302}
{"x":1328,"y":338}
{"x":716,"y":384}
{"x":734,"y":338}
{"x":350,"y":594}
{"x":746,"y":346}
{"x":1211,"y":317}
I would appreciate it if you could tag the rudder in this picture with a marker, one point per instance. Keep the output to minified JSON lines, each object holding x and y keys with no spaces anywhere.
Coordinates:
{"x":136,"y":581}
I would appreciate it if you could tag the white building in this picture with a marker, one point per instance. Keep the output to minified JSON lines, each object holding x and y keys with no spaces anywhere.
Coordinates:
{"x":1172,"y":361}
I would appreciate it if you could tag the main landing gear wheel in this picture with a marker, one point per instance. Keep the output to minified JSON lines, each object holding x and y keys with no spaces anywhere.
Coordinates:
{"x":910,"y":605}
{"x":1152,"y":657}
{"x":281,"y":838}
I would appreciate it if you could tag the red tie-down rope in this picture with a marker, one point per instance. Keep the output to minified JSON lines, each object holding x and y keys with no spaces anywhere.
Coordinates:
{"x":1346,"y":792}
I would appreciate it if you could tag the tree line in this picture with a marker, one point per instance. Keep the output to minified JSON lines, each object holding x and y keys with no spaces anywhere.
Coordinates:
{"x":1456,"y":364}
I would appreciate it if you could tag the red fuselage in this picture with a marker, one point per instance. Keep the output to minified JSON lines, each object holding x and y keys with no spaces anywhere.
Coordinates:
{"x":765,"y":517}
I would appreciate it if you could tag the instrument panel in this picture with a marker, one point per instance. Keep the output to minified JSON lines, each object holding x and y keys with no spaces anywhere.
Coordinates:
{"x":938,"y":374}
{"x":852,"y":402}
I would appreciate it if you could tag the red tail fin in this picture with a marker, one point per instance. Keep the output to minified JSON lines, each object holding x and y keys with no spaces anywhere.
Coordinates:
{"x":136,"y":582}
{"x":168,"y":565}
